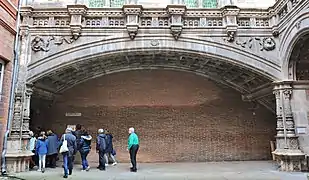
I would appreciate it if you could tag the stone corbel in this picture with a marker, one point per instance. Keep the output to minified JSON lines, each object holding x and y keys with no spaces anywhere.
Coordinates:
{"x":132,"y":12}
{"x":76,"y":12}
{"x":230,"y":19}
{"x":273,"y":21}
{"x":176,"y":12}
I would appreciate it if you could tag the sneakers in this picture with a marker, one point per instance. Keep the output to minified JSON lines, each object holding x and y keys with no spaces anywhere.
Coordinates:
{"x":43,"y":170}
{"x":106,"y":165}
{"x":39,"y":170}
{"x":65,"y":176}
{"x":87,"y":169}
{"x":114,"y":164}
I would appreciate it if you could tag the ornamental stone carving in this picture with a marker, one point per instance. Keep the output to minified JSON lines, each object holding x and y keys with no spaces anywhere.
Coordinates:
{"x":43,"y":44}
{"x":39,"y":44}
{"x":267,"y":44}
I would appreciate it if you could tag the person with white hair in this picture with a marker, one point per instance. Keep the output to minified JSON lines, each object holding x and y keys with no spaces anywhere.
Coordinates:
{"x":101,"y":149}
{"x":31,"y":147}
{"x":68,"y":155}
{"x":133,"y":145}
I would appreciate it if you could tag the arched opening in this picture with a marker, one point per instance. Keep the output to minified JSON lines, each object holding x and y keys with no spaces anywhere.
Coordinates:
{"x":299,"y":59}
{"x":185,"y":107}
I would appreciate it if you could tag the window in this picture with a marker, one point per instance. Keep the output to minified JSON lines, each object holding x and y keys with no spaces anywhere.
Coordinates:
{"x":191,"y":3}
{"x":96,"y":3}
{"x":117,"y":3}
{"x":1,"y":77}
{"x":209,"y":3}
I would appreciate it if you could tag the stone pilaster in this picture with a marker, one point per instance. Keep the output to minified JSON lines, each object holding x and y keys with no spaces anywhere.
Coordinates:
{"x":230,"y":21}
{"x":287,"y":150}
{"x":17,"y":156}
{"x":76,"y":12}
{"x":176,"y":13}
{"x":132,"y":12}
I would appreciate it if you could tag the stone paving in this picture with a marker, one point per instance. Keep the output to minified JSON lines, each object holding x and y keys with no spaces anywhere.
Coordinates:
{"x":249,"y":170}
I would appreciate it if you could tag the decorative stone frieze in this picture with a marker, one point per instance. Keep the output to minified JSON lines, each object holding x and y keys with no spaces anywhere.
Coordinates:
{"x":176,"y":13}
{"x":77,"y":13}
{"x":287,"y":147}
{"x":132,"y":13}
{"x":230,"y":20}
{"x":39,"y":43}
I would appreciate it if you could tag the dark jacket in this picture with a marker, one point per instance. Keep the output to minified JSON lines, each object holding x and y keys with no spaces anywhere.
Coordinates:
{"x":109,"y":143}
{"x":53,"y":144}
{"x":72,"y":146}
{"x":101,"y":142}
{"x":85,"y":145}
{"x":78,"y":134}
{"x":41,"y":147}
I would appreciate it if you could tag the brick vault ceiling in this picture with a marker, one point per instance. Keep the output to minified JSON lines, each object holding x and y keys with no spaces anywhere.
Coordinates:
{"x":239,"y":78}
{"x":300,"y":55}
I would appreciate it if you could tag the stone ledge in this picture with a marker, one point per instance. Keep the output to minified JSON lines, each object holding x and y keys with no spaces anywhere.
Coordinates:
{"x":18,"y":154}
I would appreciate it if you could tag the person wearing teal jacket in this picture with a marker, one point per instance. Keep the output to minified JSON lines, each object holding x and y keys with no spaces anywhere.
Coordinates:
{"x":133,"y":145}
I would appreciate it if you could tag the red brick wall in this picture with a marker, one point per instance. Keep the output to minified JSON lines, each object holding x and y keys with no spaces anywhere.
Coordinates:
{"x":178,"y":116}
{"x":7,"y":30}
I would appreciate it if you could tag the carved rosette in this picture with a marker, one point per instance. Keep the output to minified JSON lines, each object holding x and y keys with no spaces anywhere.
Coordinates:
{"x":230,"y":19}
{"x":176,"y":13}
{"x":132,"y":13}
{"x":76,"y":12}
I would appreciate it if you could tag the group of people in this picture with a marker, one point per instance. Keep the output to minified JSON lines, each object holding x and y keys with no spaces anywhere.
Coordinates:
{"x":46,"y":145}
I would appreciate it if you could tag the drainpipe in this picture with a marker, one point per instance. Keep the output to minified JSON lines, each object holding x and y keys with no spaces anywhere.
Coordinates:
{"x":12,"y":92}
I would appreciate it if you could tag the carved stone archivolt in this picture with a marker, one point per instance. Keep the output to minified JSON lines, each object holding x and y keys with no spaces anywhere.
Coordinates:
{"x":43,"y":44}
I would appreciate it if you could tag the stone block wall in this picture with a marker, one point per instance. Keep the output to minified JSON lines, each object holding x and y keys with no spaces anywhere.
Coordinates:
{"x":178,"y":116}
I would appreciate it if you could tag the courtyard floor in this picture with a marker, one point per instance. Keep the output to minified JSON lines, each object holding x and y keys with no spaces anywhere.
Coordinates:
{"x":248,"y":170}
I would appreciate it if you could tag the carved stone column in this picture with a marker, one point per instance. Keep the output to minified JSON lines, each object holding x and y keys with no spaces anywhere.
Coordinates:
{"x":230,"y":21}
{"x":76,"y":12}
{"x":287,"y":150}
{"x":132,"y":12}
{"x":176,"y":13}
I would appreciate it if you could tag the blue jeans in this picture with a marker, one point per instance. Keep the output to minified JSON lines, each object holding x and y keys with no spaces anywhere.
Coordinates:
{"x":84,"y":159}
{"x":67,"y":163}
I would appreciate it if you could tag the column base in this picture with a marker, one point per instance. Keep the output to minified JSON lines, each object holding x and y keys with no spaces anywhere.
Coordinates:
{"x":18,"y":161}
{"x":290,"y":160}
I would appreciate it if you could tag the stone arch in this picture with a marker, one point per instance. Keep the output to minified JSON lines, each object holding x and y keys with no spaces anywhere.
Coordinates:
{"x":297,"y":29}
{"x":110,"y":50}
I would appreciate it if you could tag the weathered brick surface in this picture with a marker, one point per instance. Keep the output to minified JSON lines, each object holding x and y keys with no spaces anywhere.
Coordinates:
{"x":6,"y":54}
{"x":178,"y":116}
